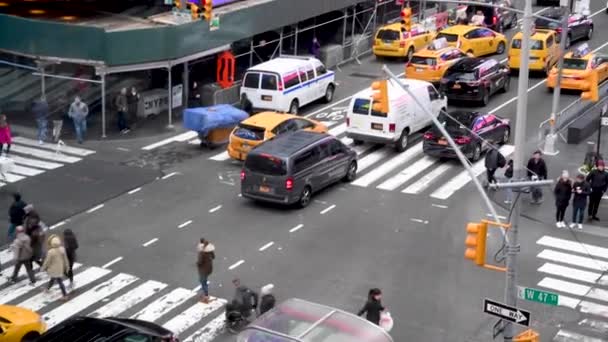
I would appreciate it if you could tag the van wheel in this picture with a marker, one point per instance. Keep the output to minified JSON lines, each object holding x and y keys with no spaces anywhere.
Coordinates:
{"x":293,"y":107}
{"x":351,"y":173}
{"x":500,"y":48}
{"x":401,"y":144}
{"x":30,"y":337}
{"x":305,"y":197}
{"x":476,"y":153}
{"x":410,"y":54}
{"x":329,"y":93}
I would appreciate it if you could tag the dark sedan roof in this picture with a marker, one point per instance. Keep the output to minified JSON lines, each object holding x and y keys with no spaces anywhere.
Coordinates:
{"x":287,"y":144}
{"x":469,"y":63}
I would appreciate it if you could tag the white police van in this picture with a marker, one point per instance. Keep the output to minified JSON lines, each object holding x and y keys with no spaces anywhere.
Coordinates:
{"x":287,"y":83}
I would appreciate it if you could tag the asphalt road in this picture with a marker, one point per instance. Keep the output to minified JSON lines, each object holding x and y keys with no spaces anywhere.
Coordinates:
{"x":351,"y":238}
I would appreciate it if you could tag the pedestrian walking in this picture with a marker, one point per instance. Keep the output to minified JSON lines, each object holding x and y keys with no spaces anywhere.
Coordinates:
{"x":204,"y":263}
{"x":245,"y":299}
{"x":194,"y":96}
{"x":22,"y":250}
{"x":268,"y":301}
{"x":132,"y":102}
{"x":78,"y":112}
{"x":509,"y":178}
{"x":71,"y":245}
{"x":122,"y":107}
{"x":537,"y":169}
{"x":598,"y":181}
{"x":56,"y":264}
{"x":373,"y":306}
{"x":6,"y":138}
{"x":40,"y":108}
{"x":581,"y":191}
{"x":16,"y":214}
{"x":36,"y":235}
{"x":563,"y":193}
{"x":315,"y":48}
{"x":493,"y":161}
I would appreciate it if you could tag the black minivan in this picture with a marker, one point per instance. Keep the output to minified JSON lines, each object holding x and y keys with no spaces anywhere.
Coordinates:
{"x":291,"y":167}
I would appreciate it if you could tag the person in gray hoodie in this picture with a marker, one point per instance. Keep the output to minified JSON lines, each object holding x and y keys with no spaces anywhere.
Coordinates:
{"x":78,"y":112}
{"x":23,"y":255}
{"x":40,"y":109}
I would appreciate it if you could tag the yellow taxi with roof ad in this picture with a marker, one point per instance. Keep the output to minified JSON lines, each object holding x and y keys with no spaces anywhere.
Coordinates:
{"x":576,"y":72}
{"x":20,"y":324}
{"x":478,"y":41}
{"x":431,"y":63}
{"x":264,"y":126}
{"x":544,"y":50}
{"x":391,"y":42}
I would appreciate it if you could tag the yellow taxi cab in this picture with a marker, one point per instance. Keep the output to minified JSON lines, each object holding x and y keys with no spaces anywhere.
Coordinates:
{"x":431,"y":63}
{"x":544,"y":50}
{"x":391,"y":42}
{"x":19,"y":324}
{"x":478,"y":41}
{"x":576,"y":72}
{"x":264,"y":126}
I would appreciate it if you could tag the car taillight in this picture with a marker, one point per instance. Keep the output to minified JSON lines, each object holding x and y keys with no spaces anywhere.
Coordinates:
{"x":280,"y":85}
{"x":289,"y":183}
{"x":473,"y":83}
{"x":401,"y":44}
{"x":242,"y":174}
{"x":494,"y":20}
{"x":392,"y":127}
{"x":435,"y":67}
{"x":428,"y":136}
{"x":408,"y":64}
{"x":347,"y":122}
{"x":558,"y":30}
{"x":462,"y":140}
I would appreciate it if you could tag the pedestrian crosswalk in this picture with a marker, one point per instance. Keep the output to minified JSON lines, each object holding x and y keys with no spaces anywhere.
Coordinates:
{"x":410,"y":172}
{"x":28,"y":158}
{"x":576,"y":271}
{"x":102,"y":292}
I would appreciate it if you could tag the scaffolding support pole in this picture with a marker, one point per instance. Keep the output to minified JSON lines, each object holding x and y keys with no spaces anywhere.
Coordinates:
{"x":352,"y":28}
{"x":103,"y":104}
{"x":295,"y":41}
{"x":41,"y":68}
{"x":344,"y":27}
{"x":281,"y":42}
{"x":186,"y":84}
{"x":170,"y":92}
{"x":251,"y":51}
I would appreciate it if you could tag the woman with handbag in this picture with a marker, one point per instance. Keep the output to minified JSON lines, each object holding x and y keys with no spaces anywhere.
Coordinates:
{"x":373,"y":307}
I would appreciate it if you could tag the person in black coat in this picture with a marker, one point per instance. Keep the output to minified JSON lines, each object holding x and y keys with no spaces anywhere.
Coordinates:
{"x":598,"y":181}
{"x":71,"y":245}
{"x":581,"y":190}
{"x":16,"y":214}
{"x":373,"y":307}
{"x":268,"y":300}
{"x":537,"y":169}
{"x":563,"y":193}
{"x":494,"y":160}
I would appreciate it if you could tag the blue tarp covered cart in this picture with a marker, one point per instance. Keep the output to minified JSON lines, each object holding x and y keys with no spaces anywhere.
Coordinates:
{"x":213,"y":124}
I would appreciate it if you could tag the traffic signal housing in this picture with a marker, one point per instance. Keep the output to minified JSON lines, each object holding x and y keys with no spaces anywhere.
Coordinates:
{"x":406,"y":19}
{"x":195,"y":11}
{"x":475,"y":241}
{"x":592,"y":93}
{"x":177,"y":3}
{"x":207,"y":9}
{"x":380,"y":96}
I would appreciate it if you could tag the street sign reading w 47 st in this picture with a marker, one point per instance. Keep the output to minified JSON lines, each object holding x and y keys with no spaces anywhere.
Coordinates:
{"x":539,"y":296}
{"x":505,"y":312}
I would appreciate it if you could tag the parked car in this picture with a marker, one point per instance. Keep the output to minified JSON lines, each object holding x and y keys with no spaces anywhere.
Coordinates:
{"x":475,"y":79}
{"x":90,"y":329}
{"x":580,"y":26}
{"x":469,"y":130}
{"x":19,"y":324}
{"x":290,"y":168}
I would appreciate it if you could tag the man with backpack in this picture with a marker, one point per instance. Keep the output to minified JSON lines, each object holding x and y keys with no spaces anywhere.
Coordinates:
{"x":23,"y":255}
{"x":494,"y":160}
{"x":245,"y":298}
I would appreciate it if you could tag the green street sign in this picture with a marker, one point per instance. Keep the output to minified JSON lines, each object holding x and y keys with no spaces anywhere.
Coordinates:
{"x":538,"y":296}
{"x":214,"y":23}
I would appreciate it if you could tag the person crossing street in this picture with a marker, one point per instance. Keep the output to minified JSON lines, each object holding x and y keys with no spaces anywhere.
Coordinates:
{"x":598,"y":181}
{"x":23,"y":255}
{"x":56,"y":264}
{"x":204,"y":263}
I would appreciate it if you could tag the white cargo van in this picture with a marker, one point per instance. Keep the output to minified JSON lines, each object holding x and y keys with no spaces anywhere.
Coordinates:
{"x":286,"y":83}
{"x":404,"y":116}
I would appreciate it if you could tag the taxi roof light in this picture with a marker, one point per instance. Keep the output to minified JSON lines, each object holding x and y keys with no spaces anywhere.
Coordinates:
{"x":439,"y":44}
{"x":581,"y":50}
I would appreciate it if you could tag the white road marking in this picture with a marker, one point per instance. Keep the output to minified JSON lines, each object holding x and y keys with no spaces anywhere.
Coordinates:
{"x":296,"y":228}
{"x":419,"y":221}
{"x":129,"y":299}
{"x":90,"y":297}
{"x":150,"y":242}
{"x":388,"y":166}
{"x":221,"y":156}
{"x":35,"y":163}
{"x":81,"y":152}
{"x":568,"y":302}
{"x":359,"y":149}
{"x":236,"y":264}
{"x":210,"y":331}
{"x":169,"y":175}
{"x":25,"y":171}
{"x":372,"y":158}
{"x":326,"y":210}
{"x":41,"y":300}
{"x":407,"y":174}
{"x":573,"y":246}
{"x":56,"y":225}
{"x":14,"y":291}
{"x":574,"y":260}
{"x":181,"y":137}
{"x":44,"y":154}
{"x":338,"y":130}
{"x":569,"y":272}
{"x":95,"y":208}
{"x":439,"y":206}
{"x":115,"y":260}
{"x":266,"y":246}
{"x":499,"y":216}
{"x":426,"y":180}
{"x":193,"y":315}
{"x":184,"y":224}
{"x":594,"y":324}
{"x":11,"y":178}
{"x":123,"y":149}
{"x":463,"y":178}
{"x":564,"y":286}
{"x":134,"y":191}
{"x":566,"y":335}
{"x":329,"y":124}
{"x":6,"y":255}
{"x":593,"y":308}
{"x":212,"y":210}
{"x":163,"y":305}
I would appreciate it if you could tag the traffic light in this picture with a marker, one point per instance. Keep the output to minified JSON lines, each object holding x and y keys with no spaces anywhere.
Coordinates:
{"x":380,"y":96}
{"x":476,"y":242}
{"x":592,"y":93}
{"x":195,"y":11}
{"x":177,"y":3}
{"x":207,"y":9}
{"x":406,"y":19}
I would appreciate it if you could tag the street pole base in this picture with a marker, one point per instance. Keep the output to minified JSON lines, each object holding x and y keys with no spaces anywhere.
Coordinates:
{"x":170,"y":127}
{"x":549,"y":148}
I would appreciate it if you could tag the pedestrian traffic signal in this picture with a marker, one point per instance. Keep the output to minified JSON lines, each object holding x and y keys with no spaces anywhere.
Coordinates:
{"x":177,"y":3}
{"x":380,"y":96}
{"x":207,"y":9}
{"x":592,"y":93}
{"x":476,"y":242}
{"x":406,"y":19}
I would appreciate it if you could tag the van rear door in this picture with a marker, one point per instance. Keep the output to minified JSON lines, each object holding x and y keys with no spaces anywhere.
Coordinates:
{"x":265,"y":174}
{"x":364,"y":120}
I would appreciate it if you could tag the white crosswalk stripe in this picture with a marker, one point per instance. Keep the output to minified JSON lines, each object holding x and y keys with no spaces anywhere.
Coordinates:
{"x":166,"y":303}
{"x":81,"y":152}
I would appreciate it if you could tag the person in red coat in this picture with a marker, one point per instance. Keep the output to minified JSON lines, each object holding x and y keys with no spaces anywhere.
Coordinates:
{"x":5,"y":135}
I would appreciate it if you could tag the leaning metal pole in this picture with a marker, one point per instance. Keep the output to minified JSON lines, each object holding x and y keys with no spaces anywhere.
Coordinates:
{"x":518,"y":162}
{"x":551,"y":139}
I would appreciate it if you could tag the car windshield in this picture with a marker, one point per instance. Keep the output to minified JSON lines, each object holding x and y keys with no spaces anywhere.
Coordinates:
{"x":575,"y":63}
{"x":266,"y":164}
{"x":388,"y":35}
{"x":424,"y":60}
{"x":456,"y":120}
{"x":461,"y":74}
{"x":452,"y":38}
{"x":249,"y":132}
{"x":361,"y":107}
{"x":535,"y":44}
